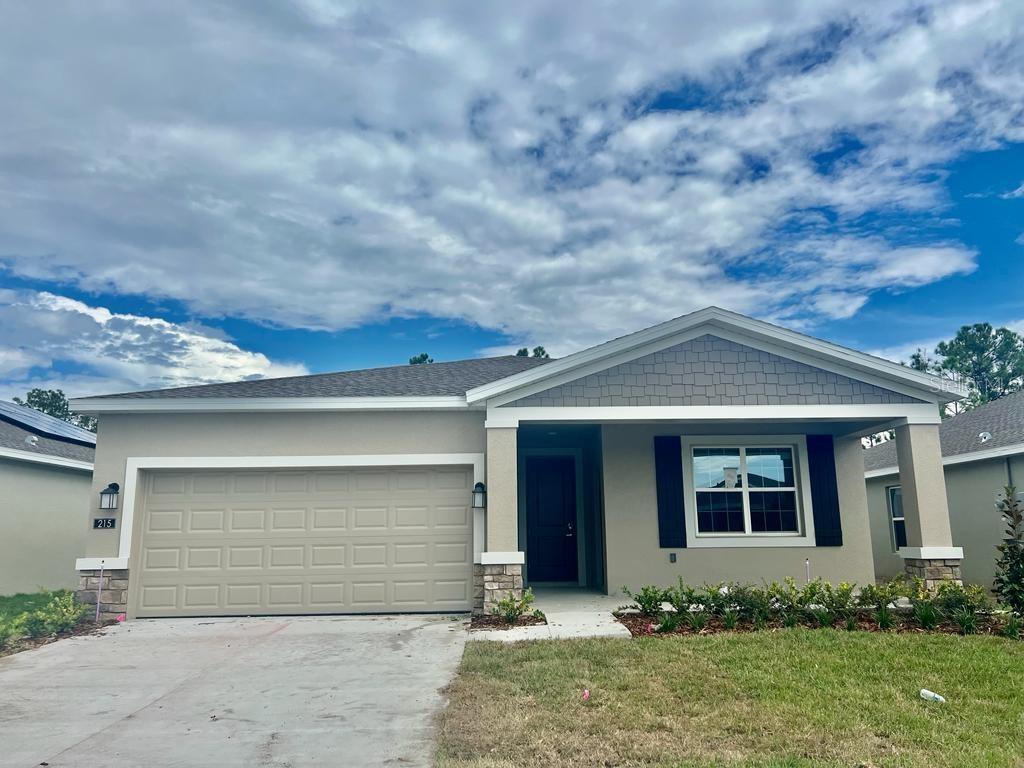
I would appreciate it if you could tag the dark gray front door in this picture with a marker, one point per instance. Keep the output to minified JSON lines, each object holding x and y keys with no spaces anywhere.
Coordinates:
{"x":551,"y":518}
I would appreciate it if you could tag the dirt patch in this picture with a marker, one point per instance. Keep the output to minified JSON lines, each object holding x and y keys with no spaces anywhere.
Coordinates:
{"x":645,"y":626}
{"x":17,"y":645}
{"x":497,"y":622}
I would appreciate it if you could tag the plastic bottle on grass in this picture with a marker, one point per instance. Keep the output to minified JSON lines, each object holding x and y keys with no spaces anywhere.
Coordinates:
{"x":932,"y":696}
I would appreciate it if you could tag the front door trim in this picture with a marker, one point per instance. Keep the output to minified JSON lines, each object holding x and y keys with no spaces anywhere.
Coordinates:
{"x":581,"y":549}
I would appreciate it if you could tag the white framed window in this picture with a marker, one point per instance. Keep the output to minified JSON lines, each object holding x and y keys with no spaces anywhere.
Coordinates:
{"x":747,"y":491}
{"x":898,"y":523}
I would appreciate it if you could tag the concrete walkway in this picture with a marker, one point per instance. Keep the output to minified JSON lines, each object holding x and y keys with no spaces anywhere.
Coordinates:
{"x":327,"y":691}
{"x":571,"y":613}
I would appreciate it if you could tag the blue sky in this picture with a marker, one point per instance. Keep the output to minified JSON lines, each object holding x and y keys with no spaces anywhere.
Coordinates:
{"x":231,"y":191}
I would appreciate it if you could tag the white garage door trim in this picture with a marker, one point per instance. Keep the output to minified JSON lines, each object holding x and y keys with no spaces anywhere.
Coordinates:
{"x":135,"y":464}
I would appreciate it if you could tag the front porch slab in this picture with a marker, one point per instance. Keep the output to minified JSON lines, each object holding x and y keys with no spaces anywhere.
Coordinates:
{"x":571,"y":613}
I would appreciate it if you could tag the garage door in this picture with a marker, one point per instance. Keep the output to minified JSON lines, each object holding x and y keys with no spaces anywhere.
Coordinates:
{"x":312,"y":541}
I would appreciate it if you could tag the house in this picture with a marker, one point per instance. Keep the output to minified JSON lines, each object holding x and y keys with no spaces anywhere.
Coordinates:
{"x":713,"y":446}
{"x":982,"y":451}
{"x":45,"y":480}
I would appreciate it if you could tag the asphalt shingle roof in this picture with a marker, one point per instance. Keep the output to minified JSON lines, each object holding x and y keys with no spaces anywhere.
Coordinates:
{"x":18,"y":436}
{"x":428,"y":380}
{"x":1002,"y":418}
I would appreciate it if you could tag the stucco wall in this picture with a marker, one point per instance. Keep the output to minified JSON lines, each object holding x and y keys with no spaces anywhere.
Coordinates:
{"x":971,"y":489}
{"x":631,"y":520}
{"x":42,"y":511}
{"x":270,"y":434}
{"x":712,"y":371}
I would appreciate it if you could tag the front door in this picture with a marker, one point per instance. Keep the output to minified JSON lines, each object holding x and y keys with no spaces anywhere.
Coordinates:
{"x":551,"y":518}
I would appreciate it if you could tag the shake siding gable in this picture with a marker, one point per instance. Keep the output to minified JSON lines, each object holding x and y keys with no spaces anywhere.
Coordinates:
{"x":712,"y":371}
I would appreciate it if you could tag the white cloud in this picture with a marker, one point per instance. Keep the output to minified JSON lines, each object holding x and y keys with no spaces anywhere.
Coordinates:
{"x":328,"y":165}
{"x":1013,"y":193}
{"x":105,"y":351}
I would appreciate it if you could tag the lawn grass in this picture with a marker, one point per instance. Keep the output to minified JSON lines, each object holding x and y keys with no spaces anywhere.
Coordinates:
{"x":795,"y":697}
{"x":12,"y":606}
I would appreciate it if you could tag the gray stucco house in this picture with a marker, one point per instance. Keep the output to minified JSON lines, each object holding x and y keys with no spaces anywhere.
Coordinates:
{"x":45,"y":481}
{"x":982,"y":451}
{"x":712,"y":446}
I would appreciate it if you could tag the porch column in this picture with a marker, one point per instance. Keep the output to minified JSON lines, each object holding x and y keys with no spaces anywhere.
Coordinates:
{"x":500,"y":571}
{"x":929,"y":553}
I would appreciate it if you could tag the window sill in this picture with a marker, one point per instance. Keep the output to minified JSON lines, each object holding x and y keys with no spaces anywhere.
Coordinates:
{"x":706,"y":541}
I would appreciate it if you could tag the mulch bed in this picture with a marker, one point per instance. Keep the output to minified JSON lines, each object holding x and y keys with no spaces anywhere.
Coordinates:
{"x":497,"y":622}
{"x":643,"y":626}
{"x":17,"y":645}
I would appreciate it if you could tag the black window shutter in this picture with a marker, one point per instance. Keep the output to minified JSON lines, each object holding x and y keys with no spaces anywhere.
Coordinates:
{"x":668,"y":474}
{"x":821,"y":465}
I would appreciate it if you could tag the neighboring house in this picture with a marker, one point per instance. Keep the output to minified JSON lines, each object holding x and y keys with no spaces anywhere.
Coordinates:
{"x":709,"y":447}
{"x":982,"y":451}
{"x":45,"y":481}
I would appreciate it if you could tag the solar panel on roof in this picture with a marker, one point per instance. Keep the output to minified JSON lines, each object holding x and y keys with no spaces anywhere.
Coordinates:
{"x":44,"y":424}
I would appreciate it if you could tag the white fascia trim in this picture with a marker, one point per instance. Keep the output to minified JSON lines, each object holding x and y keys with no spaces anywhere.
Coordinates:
{"x":932,"y":553}
{"x":911,"y":413}
{"x":36,"y":458}
{"x":135,"y":464}
{"x":94,"y":406}
{"x":960,"y":458}
{"x":502,"y":558}
{"x":720,"y":322}
{"x":106,"y":563}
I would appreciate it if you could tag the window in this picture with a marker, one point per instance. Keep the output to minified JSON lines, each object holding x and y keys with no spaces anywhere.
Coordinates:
{"x":899,"y":523}
{"x":745,"y":490}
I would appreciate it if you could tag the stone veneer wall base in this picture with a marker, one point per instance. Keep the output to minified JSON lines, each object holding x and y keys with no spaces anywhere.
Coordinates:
{"x":933,"y":571}
{"x":492,"y":583}
{"x":111,"y":591}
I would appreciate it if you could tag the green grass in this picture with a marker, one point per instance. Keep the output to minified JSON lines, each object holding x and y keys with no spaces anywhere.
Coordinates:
{"x":12,"y":606}
{"x":788,"y":698}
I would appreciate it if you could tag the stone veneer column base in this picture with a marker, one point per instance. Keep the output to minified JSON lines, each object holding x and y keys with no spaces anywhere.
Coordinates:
{"x":111,"y":590}
{"x":492,"y":583}
{"x":933,"y":571}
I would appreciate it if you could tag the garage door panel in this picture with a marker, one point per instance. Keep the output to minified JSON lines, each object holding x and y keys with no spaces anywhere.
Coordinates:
{"x":314,"y":541}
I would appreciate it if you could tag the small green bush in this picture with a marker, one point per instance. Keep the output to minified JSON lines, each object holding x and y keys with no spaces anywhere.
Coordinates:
{"x":883,"y":617}
{"x":730,"y":619}
{"x":967,"y":620}
{"x":841,"y":601}
{"x":926,"y":614}
{"x":697,"y":620}
{"x":951,"y":598}
{"x":1011,"y":627}
{"x":6,"y":633}
{"x":668,"y":622}
{"x":682,"y":597}
{"x":648,"y":600}
{"x":881,"y":595}
{"x":823,"y":617}
{"x":510,"y":608}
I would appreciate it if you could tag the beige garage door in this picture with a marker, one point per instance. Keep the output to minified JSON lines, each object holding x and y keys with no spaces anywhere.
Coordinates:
{"x":311,"y":541}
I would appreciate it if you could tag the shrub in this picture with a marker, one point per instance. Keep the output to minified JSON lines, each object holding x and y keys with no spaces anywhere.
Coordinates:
{"x":34,"y":624}
{"x":926,"y":614}
{"x":510,"y":607}
{"x":1011,"y":627}
{"x":850,"y":622}
{"x":750,"y":602}
{"x":6,"y":633}
{"x":714,"y":598}
{"x":881,"y":595}
{"x":841,"y":601}
{"x":951,"y":597}
{"x":648,"y":600}
{"x":967,"y":620}
{"x":730,"y":619}
{"x":697,"y":620}
{"x":823,"y":617}
{"x":1009,"y":580}
{"x":681,"y":597}
{"x":883,"y":617}
{"x":786,"y":598}
{"x":668,"y":622}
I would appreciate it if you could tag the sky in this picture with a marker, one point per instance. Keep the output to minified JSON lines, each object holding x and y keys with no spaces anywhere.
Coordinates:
{"x":211,"y":191}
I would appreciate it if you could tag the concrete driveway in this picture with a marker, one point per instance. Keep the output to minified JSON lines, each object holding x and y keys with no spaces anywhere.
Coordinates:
{"x":331,"y":691}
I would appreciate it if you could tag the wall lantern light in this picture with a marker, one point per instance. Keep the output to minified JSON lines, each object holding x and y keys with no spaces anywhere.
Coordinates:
{"x":479,"y":496}
{"x":108,"y":496}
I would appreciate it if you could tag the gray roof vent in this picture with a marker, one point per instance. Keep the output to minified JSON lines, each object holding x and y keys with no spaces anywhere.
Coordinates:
{"x":985,"y":437}
{"x":32,"y":440}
